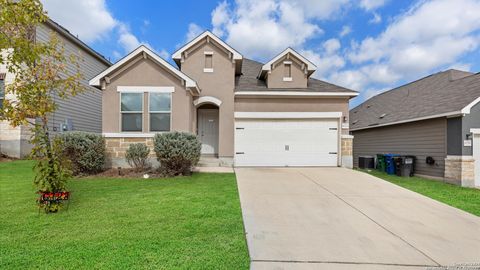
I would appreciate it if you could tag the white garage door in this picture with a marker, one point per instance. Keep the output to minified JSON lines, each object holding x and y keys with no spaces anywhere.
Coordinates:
{"x":289,"y":142}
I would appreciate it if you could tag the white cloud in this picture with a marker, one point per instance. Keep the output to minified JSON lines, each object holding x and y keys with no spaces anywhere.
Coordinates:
{"x":164,"y":54}
{"x":376,"y":18}
{"x":89,"y":19}
{"x":372,"y":4}
{"x":128,"y":40}
{"x":220,"y":17}
{"x":263,"y":29}
{"x":92,"y":21}
{"x":193,"y":31}
{"x":345,"y":30}
{"x":432,"y":35}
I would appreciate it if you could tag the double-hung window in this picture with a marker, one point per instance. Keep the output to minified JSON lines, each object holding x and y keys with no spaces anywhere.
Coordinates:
{"x":160,"y":110}
{"x":132,"y":111}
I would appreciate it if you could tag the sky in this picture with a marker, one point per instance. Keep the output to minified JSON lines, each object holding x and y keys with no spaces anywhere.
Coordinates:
{"x":366,"y":45}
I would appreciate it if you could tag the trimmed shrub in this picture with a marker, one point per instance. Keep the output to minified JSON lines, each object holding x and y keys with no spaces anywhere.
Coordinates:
{"x":86,"y":151}
{"x":137,"y":156}
{"x":177,"y":152}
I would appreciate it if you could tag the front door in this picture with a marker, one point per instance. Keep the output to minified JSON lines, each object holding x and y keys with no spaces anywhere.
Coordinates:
{"x":208,"y":130}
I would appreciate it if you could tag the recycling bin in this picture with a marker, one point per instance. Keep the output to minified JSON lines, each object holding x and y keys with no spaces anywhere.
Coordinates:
{"x":381,"y":162}
{"x":390,"y":163}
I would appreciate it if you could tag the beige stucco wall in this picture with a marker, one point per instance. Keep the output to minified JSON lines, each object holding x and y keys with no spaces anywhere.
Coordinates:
{"x":306,"y":104}
{"x":145,"y":72}
{"x":219,"y":84}
{"x":275,"y":76}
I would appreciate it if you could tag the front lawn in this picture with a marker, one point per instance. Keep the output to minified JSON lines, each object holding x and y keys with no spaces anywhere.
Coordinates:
{"x":178,"y":223}
{"x":467,"y":199}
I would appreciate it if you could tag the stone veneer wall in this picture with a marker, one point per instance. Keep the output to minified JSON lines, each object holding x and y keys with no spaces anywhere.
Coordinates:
{"x":347,"y":151}
{"x":14,"y":140}
{"x":460,"y":170}
{"x":116,"y":148}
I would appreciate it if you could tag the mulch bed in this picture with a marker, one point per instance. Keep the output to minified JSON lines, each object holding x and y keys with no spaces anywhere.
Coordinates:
{"x":125,"y":173}
{"x":4,"y":158}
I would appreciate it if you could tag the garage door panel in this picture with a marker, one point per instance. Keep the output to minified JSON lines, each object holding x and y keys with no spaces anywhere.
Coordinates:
{"x":293,"y":142}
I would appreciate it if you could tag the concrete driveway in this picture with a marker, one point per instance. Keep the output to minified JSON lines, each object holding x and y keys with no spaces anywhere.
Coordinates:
{"x":334,"y":218}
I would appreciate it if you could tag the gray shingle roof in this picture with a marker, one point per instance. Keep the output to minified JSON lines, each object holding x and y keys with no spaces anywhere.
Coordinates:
{"x":441,"y":93}
{"x":248,"y":81}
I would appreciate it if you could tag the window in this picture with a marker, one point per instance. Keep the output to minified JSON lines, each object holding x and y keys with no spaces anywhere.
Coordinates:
{"x":287,"y":75}
{"x":132,"y":111}
{"x":2,"y":92}
{"x":208,"y":62}
{"x":160,"y":110}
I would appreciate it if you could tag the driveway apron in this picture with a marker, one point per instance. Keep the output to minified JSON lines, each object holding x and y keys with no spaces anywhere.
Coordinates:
{"x":335,"y":218}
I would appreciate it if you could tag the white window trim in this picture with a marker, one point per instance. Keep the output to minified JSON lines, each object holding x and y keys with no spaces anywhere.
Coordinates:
{"x":122,"y":112}
{"x":287,"y":79}
{"x":287,"y":115}
{"x":150,"y":112}
{"x":208,"y":53}
{"x":208,"y":70}
{"x":128,"y":135}
{"x":143,"y":89}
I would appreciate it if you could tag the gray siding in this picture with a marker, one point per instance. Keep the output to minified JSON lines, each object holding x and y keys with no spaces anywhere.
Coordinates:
{"x":84,"y":110}
{"x":469,"y":121}
{"x":421,"y":139}
{"x":454,"y":136}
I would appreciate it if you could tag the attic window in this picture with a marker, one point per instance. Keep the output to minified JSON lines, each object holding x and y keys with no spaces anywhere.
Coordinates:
{"x":382,"y":116}
{"x":287,"y":74}
{"x":208,"y":62}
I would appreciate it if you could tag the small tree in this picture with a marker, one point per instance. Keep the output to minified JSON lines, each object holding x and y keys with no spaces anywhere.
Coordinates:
{"x":41,"y":74}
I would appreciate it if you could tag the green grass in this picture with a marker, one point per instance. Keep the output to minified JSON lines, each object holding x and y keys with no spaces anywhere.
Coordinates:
{"x":177,"y":223}
{"x":467,"y":199}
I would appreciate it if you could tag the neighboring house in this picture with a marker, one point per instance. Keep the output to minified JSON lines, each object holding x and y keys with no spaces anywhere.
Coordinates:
{"x":437,"y":116}
{"x":244,"y":112}
{"x":82,"y":112}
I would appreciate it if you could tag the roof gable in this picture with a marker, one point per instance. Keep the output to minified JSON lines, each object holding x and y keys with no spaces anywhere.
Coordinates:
{"x":235,"y":55}
{"x":188,"y":82}
{"x":309,"y":66}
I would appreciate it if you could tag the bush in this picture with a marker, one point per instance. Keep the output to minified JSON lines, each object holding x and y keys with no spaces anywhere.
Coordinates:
{"x":86,"y":151}
{"x":137,"y":156}
{"x":177,"y":152}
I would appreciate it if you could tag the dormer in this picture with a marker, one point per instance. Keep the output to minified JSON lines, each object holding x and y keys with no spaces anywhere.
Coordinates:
{"x":288,"y":69}
{"x":210,"y":48}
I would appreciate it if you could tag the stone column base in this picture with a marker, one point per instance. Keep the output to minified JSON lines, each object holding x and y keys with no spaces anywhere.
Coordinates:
{"x":460,"y":170}
{"x":347,"y":151}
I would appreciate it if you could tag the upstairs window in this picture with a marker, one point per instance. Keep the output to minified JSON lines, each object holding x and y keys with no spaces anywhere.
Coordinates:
{"x":208,"y":62}
{"x":287,"y":73}
{"x":132,"y":112}
{"x":160,"y":109}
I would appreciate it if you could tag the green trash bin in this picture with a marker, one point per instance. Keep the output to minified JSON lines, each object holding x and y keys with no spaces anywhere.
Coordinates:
{"x":381,"y":165}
